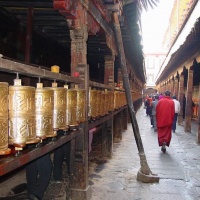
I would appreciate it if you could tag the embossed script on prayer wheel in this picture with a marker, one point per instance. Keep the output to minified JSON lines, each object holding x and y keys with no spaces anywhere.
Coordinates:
{"x":102,"y":105}
{"x":116,"y":99}
{"x":59,"y":109}
{"x":22,"y":115}
{"x":44,"y":104}
{"x":71,"y":107}
{"x":98,"y":104}
{"x":4,"y":119}
{"x":81,"y":98}
{"x":92,"y":114}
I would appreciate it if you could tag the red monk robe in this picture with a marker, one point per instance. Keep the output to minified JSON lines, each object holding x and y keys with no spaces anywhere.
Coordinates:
{"x":165,"y":110}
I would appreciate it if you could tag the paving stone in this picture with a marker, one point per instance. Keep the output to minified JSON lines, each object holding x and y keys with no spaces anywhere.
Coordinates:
{"x":178,"y":168}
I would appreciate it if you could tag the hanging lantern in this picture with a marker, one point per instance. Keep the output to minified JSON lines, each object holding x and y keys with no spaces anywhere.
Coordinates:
{"x":4,"y":119}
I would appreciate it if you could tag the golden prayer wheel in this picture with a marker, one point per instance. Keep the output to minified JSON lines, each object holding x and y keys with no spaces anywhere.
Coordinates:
{"x":4,"y":119}
{"x":44,"y":104}
{"x":103,"y":103}
{"x":111,"y":101}
{"x":107,"y":102}
{"x":81,"y":99}
{"x":116,"y":99}
{"x":98,"y":104}
{"x":59,"y":108}
{"x":22,"y":115}
{"x":92,"y":114}
{"x":71,"y":107}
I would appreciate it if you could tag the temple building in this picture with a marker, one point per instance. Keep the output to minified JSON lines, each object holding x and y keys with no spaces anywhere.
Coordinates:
{"x":179,"y":72}
{"x":62,"y":71}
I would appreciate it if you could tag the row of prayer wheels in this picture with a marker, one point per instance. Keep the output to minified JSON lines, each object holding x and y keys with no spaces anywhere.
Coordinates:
{"x":102,"y":102}
{"x":29,"y":114}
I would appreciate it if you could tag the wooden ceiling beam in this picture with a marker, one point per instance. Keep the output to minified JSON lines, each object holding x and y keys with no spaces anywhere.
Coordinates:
{"x":34,"y":4}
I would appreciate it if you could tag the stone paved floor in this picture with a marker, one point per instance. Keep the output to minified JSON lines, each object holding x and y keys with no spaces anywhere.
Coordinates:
{"x":115,"y":179}
{"x":178,"y":168}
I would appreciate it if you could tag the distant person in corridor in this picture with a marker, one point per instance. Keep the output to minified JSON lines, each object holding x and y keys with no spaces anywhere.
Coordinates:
{"x":177,"y":110}
{"x":165,"y":111}
{"x":154,"y":104}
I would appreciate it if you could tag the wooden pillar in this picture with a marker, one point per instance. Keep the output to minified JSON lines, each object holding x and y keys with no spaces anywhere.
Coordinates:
{"x":175,"y":92}
{"x":110,"y":137}
{"x":29,"y":35}
{"x":125,"y":119}
{"x":180,"y":98}
{"x":104,"y":141}
{"x":168,"y":85}
{"x":165,"y":87}
{"x":117,"y":133}
{"x":198,"y":134}
{"x":119,"y":78}
{"x":171,"y":89}
{"x":26,"y":81}
{"x":78,"y":48}
{"x":79,"y":183}
{"x":188,"y":109}
{"x":107,"y":139}
{"x":109,"y":70}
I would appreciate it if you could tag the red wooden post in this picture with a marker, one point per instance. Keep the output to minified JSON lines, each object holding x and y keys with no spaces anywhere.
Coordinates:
{"x":29,"y":35}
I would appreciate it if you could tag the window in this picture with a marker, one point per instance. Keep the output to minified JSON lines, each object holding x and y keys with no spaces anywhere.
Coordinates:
{"x":150,"y":78}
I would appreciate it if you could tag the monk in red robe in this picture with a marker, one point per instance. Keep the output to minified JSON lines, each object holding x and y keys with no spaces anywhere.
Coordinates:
{"x":165,"y":110}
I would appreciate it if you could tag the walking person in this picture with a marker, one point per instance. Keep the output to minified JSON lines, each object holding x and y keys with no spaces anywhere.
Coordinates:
{"x":147,"y":105}
{"x":165,"y":110}
{"x":154,"y":104}
{"x":177,"y":110}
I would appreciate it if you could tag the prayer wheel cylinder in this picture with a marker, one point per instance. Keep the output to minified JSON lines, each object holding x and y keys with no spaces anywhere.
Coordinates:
{"x":80,"y":112}
{"x":92,"y":104}
{"x":71,"y":107}
{"x":103,"y":106}
{"x":98,"y":104}
{"x":44,"y":104}
{"x":22,"y":115}
{"x":112,"y":101}
{"x":107,"y":102}
{"x":4,"y":119}
{"x":59,"y":108}
{"x":115,"y":99}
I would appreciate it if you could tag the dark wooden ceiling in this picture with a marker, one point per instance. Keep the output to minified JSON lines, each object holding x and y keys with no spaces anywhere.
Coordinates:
{"x":50,"y":24}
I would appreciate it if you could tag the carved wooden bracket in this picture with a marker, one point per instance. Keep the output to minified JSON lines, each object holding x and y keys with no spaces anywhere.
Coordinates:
{"x":100,"y":6}
{"x":73,"y":11}
{"x":67,"y":8}
{"x":111,"y":44}
{"x":93,"y":26}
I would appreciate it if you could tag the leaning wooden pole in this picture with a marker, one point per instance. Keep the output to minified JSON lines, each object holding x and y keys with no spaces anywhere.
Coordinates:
{"x":144,"y":174}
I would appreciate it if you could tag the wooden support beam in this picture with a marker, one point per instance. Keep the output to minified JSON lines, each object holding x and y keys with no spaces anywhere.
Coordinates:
{"x":24,"y":69}
{"x":10,"y":163}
